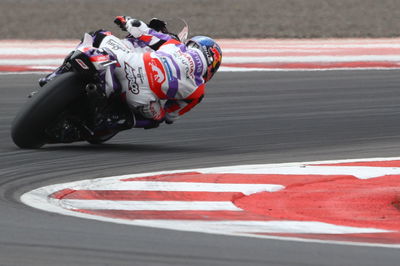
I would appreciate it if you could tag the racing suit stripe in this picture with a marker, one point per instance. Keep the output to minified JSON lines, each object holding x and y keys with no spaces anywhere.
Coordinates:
{"x":173,"y":82}
{"x":146,"y":38}
{"x":198,"y":93}
{"x":172,"y":41}
{"x":189,"y":106}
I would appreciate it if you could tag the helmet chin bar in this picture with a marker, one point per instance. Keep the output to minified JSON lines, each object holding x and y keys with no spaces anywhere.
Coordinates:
{"x":211,"y":51}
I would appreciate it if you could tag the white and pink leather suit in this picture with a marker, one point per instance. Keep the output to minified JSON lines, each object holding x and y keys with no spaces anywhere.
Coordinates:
{"x":163,"y":84}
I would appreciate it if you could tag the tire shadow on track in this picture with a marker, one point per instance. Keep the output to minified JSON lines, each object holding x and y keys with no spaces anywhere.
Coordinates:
{"x":137,"y":148}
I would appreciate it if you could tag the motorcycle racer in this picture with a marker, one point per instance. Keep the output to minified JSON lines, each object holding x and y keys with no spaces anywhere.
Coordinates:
{"x":159,"y":77}
{"x":166,"y":82}
{"x":107,"y":85}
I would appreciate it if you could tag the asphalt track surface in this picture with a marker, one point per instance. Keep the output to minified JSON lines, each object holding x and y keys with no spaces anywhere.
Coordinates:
{"x":246,"y":118}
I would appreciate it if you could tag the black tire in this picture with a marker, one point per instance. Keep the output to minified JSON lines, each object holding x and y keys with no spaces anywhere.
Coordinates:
{"x":43,"y":108}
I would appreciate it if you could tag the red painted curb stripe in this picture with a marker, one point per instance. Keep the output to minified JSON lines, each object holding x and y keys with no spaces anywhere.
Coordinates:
{"x":288,"y":66}
{"x":278,"y":179}
{"x":270,"y":52}
{"x":300,"y":42}
{"x":343,"y":204}
{"x":271,"y":47}
{"x":32,"y":56}
{"x":349,"y":201}
{"x":313,"y":52}
{"x":8,"y":68}
{"x":145,"y":195}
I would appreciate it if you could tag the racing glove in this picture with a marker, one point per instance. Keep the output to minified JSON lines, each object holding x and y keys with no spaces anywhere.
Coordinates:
{"x":149,"y":116}
{"x":134,"y":26}
{"x":153,"y":110}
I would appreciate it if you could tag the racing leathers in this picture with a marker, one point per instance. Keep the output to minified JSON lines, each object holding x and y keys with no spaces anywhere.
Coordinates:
{"x":158,"y":85}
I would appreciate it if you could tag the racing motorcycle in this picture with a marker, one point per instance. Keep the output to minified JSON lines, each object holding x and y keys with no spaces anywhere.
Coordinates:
{"x":71,"y":108}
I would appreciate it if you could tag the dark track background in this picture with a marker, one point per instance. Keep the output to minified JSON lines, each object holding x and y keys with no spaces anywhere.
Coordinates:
{"x":246,"y":118}
{"x":68,"y":19}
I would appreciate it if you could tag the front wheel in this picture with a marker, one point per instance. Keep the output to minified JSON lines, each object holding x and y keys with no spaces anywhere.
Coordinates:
{"x":28,"y":128}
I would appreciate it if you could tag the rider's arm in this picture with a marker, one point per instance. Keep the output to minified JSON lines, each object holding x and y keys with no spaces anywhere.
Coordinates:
{"x":138,"y":29}
{"x":176,"y":108}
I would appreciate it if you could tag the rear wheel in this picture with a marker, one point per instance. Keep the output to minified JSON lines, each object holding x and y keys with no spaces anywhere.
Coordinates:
{"x":28,"y":128}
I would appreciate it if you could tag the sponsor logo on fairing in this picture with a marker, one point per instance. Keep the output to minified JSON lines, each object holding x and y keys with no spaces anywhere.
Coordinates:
{"x":116,"y":46}
{"x":81,"y":63}
{"x":131,"y":77}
